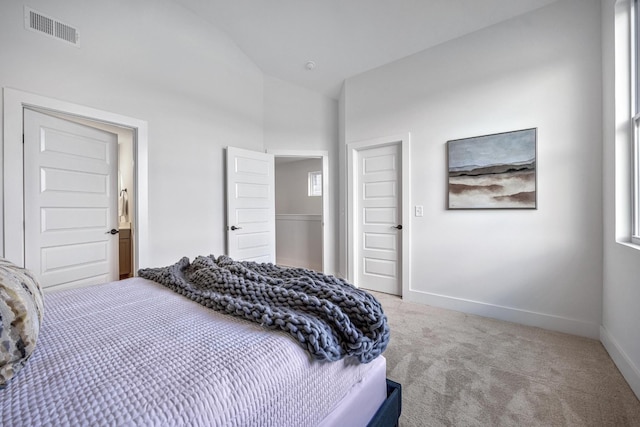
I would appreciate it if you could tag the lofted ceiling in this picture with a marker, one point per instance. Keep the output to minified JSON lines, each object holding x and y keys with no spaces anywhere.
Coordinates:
{"x":346,"y":37}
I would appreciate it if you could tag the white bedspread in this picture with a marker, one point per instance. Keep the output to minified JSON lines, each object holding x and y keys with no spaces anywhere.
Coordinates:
{"x":136,"y":353}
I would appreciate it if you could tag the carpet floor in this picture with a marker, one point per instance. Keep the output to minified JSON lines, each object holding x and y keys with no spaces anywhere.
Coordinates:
{"x":458,"y":369}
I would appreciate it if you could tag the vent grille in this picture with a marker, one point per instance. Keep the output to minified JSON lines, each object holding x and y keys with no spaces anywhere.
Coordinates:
{"x":40,"y":23}
{"x":66,"y":32}
{"x":52,"y":27}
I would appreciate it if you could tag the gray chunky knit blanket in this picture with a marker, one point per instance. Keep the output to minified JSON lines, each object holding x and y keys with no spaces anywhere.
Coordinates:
{"x":329,"y":317}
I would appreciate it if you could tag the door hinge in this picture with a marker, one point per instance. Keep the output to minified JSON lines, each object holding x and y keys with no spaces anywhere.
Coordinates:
{"x":23,"y":138}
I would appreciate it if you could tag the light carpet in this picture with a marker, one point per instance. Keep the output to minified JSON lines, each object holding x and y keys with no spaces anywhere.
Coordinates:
{"x":458,"y":369}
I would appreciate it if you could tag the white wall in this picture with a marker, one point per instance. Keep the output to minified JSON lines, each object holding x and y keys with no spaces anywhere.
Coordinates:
{"x":155,"y":61}
{"x":620,"y":331}
{"x":342,"y":192}
{"x":292,"y":187}
{"x":298,"y":119}
{"x":541,"y":267}
{"x":126,"y":166}
{"x":299,"y":241}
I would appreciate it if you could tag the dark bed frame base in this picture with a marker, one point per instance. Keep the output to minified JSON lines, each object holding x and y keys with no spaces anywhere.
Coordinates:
{"x":389,"y":412}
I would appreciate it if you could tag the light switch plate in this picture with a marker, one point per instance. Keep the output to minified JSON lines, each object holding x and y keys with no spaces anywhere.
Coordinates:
{"x":419,"y":210}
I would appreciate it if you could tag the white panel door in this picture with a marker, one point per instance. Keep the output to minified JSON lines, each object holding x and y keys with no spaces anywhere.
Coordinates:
{"x":378,"y":219}
{"x":70,"y":197}
{"x":251,"y":219}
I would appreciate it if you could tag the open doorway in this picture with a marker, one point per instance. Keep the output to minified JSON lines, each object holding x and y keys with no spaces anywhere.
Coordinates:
{"x":13,"y":233}
{"x":125,"y":194}
{"x":302,"y":208}
{"x":298,"y":188}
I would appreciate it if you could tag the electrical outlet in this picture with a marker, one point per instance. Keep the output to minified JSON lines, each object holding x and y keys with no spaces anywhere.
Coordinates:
{"x":419,"y":210}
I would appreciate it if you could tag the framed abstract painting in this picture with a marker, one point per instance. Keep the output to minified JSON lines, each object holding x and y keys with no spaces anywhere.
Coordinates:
{"x":493,"y":171}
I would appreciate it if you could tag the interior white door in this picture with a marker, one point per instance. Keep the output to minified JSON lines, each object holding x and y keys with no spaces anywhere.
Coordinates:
{"x":379,"y":212}
{"x":251,"y":223}
{"x":70,"y":197}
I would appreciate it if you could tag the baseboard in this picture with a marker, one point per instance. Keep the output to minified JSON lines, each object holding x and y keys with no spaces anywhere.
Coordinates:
{"x":294,"y":263}
{"x":509,"y":314}
{"x":625,"y":365}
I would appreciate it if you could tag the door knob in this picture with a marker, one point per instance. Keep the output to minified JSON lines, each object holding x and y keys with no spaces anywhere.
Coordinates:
{"x":399,"y":226}
{"x":112,"y":231}
{"x":233,"y":228}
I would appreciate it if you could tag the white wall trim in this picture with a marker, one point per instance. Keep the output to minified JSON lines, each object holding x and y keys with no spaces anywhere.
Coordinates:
{"x":326,"y":196}
{"x":508,"y":314}
{"x":623,"y":151}
{"x":404,"y":140}
{"x":298,"y":217}
{"x":14,"y":102}
{"x":623,"y":362}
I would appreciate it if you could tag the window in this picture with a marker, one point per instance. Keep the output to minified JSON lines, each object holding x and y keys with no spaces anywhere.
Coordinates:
{"x":315,"y":184}
{"x":635,"y":113}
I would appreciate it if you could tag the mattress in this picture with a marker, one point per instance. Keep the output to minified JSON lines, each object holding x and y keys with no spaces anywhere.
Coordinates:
{"x":135,"y":353}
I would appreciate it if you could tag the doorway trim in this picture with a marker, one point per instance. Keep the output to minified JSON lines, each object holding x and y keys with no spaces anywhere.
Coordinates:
{"x":12,"y":215}
{"x":404,"y":141}
{"x":326,"y":194}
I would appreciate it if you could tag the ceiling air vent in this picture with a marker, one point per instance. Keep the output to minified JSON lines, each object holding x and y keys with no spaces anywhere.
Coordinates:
{"x":36,"y":21}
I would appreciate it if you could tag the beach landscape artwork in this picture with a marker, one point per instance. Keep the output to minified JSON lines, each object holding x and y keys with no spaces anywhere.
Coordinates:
{"x":493,"y":171}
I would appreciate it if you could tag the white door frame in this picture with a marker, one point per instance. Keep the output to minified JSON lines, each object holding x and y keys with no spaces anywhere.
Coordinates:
{"x":326,"y":194}
{"x":12,"y":215}
{"x":404,"y":141}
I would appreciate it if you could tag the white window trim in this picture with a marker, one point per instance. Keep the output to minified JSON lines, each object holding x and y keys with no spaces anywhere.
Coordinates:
{"x":635,"y":186}
{"x":635,"y":122}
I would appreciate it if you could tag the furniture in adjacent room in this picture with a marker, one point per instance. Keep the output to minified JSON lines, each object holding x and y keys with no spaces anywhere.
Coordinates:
{"x":125,"y":261}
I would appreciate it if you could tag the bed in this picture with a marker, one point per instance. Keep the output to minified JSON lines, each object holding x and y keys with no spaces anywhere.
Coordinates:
{"x":135,"y":352}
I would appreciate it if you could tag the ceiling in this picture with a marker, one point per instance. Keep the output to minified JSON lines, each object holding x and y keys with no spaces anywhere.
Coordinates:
{"x":346,"y":37}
